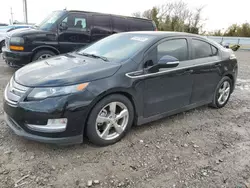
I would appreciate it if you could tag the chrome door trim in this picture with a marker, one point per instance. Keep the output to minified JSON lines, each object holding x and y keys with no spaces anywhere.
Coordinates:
{"x":166,"y":71}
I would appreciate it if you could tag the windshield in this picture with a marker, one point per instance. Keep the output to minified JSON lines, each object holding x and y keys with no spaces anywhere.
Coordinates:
{"x":118,"y":46}
{"x":49,"y":21}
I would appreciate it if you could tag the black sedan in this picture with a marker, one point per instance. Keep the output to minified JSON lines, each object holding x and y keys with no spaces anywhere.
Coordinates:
{"x":126,"y":79}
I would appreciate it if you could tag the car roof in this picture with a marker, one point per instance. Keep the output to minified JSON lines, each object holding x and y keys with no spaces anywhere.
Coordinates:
{"x":166,"y":34}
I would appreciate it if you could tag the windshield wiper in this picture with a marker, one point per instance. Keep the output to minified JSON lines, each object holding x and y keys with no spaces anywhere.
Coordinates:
{"x":94,"y":56}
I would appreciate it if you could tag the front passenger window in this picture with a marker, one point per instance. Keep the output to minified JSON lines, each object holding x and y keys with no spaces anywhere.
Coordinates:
{"x":176,"y":48}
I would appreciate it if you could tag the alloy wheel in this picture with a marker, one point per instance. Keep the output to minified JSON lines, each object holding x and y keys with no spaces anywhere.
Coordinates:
{"x":224,"y":92}
{"x":112,"y":120}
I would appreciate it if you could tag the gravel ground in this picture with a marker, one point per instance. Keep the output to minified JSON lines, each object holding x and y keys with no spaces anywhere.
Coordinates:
{"x":199,"y":148}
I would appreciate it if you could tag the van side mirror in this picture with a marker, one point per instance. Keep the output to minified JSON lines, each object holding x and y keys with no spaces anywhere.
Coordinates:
{"x":165,"y":62}
{"x":63,"y":26}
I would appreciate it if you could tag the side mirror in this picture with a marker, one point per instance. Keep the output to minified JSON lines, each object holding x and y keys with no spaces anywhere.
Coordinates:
{"x":168,"y":62}
{"x":165,"y":62}
{"x":63,"y":26}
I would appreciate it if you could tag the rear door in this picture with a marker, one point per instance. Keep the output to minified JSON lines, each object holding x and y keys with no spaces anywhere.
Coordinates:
{"x":76,"y":35}
{"x":206,"y":68}
{"x":101,"y":26}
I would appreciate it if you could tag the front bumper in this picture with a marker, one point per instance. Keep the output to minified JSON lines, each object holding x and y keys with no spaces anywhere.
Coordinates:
{"x":62,"y":141}
{"x":16,"y":59}
{"x":74,"y":108}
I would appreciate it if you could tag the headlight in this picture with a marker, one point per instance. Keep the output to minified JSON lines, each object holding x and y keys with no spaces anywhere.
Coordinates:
{"x":42,"y":93}
{"x":16,"y":40}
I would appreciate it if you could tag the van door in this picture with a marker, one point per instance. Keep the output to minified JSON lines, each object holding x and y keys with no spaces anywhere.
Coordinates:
{"x":101,"y":26}
{"x":76,"y":34}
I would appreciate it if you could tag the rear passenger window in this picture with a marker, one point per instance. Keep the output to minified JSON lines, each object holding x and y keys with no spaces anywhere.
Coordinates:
{"x":176,"y":48}
{"x":101,"y":24}
{"x":201,"y":49}
{"x":120,"y":24}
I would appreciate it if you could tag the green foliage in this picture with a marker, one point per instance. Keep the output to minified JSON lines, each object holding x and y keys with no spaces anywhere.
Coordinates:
{"x":234,"y":30}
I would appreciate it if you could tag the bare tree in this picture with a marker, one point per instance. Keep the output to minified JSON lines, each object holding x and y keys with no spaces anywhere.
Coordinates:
{"x":137,"y":14}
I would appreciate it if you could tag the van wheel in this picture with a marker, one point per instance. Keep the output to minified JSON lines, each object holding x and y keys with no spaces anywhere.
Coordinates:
{"x":109,"y":120}
{"x":43,"y":54}
{"x":2,"y":43}
{"x":222,"y":93}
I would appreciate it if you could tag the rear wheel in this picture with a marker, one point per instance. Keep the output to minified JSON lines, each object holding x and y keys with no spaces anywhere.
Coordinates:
{"x":222,"y":93}
{"x":43,"y":54}
{"x":109,"y":120}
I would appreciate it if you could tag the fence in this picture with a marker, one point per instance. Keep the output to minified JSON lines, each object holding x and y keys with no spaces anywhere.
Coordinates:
{"x":244,"y":42}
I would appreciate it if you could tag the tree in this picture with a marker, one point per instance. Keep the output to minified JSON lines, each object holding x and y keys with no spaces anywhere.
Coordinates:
{"x":175,"y":16}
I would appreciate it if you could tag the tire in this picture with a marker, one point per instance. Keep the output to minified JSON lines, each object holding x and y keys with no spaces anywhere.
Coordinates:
{"x":43,"y":53}
{"x":219,"y":104}
{"x":1,"y":45}
{"x":102,"y":109}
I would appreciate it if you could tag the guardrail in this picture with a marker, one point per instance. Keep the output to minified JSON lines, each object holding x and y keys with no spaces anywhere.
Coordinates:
{"x":244,"y":42}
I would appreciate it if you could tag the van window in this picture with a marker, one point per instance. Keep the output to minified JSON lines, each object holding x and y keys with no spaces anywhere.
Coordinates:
{"x":101,"y":24}
{"x":120,"y":24}
{"x":141,"y":25}
{"x":76,"y":22}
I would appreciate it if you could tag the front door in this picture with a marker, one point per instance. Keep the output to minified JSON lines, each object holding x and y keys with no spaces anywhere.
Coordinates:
{"x":77,"y":33}
{"x":167,"y":89}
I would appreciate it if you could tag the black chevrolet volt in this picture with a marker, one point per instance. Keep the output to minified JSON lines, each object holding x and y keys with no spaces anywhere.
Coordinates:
{"x":126,"y":79}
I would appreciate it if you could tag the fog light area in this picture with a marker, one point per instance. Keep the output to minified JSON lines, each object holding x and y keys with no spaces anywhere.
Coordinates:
{"x":53,"y":125}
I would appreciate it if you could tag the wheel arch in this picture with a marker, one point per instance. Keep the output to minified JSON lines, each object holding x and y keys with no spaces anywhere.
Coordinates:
{"x":44,"y":47}
{"x":101,"y":96}
{"x":230,"y":75}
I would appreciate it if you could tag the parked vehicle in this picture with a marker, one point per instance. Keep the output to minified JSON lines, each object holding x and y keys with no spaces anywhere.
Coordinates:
{"x":3,"y":24}
{"x":5,"y":29}
{"x":65,"y":31}
{"x":128,"y":78}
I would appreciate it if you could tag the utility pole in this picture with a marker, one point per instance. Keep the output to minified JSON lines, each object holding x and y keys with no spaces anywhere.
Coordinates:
{"x":25,"y":11}
{"x":11,"y":15}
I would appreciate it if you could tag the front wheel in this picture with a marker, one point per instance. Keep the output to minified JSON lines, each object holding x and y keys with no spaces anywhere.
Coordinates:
{"x":2,"y":43}
{"x":222,"y":93}
{"x":109,"y":120}
{"x":43,"y":54}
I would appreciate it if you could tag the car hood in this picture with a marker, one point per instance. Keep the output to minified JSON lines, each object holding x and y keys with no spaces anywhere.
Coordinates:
{"x":65,"y":69}
{"x":23,"y":32}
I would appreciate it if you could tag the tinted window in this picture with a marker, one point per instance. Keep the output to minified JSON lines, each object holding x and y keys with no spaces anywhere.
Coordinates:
{"x":140,"y":25}
{"x":101,"y":24}
{"x":176,"y":48}
{"x":120,"y":24}
{"x":201,"y":49}
{"x":77,"y":22}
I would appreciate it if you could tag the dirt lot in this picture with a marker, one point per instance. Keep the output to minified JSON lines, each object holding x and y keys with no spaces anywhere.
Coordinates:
{"x":200,"y":148}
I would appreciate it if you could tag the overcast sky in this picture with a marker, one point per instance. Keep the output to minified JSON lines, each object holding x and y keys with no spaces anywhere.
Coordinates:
{"x":219,"y":13}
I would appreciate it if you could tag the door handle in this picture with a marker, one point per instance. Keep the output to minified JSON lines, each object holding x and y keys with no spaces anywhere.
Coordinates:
{"x":189,"y":71}
{"x":217,"y":65}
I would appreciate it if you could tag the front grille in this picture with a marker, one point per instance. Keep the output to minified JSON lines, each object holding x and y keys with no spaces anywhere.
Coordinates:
{"x":14,"y":92}
{"x":7,"y":42}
